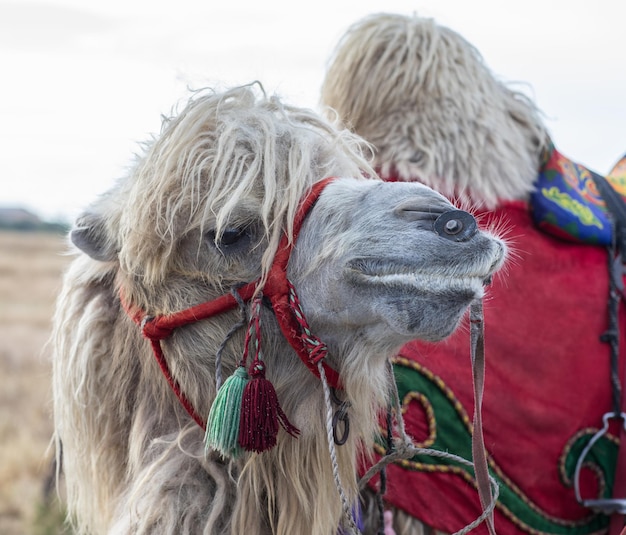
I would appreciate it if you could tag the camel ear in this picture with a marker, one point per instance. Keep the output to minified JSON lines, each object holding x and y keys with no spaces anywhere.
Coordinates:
{"x":90,"y":236}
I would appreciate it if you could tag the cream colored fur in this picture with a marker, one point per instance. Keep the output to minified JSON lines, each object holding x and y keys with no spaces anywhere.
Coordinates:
{"x":133,"y":460}
{"x":423,"y":96}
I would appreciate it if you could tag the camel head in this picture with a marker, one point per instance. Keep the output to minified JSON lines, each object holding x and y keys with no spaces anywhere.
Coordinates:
{"x":383,"y":267}
{"x":207,"y":209}
{"x":423,"y":96}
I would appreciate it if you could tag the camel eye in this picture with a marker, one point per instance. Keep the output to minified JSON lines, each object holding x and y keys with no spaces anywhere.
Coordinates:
{"x":229,"y":238}
{"x":417,"y":157}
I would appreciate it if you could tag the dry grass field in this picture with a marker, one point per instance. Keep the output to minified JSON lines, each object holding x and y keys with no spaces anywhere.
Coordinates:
{"x":31,"y":264}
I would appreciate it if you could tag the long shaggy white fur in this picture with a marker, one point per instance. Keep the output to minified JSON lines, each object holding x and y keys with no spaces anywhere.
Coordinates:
{"x":225,"y":161}
{"x":422,"y":95}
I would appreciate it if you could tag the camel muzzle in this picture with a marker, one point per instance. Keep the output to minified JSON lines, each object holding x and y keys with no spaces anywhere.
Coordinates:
{"x":455,"y":225}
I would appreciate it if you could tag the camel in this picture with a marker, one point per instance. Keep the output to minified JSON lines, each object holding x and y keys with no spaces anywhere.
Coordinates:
{"x":434,"y":112}
{"x":247,"y":280}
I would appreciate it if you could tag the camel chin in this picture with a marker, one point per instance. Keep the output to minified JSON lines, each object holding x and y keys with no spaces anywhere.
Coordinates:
{"x":410,"y":302}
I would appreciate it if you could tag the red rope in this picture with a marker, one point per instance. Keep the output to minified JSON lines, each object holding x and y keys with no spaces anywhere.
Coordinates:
{"x":162,"y":327}
{"x":174,"y":385}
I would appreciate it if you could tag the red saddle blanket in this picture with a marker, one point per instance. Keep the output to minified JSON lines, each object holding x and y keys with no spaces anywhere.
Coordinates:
{"x":547,"y":387}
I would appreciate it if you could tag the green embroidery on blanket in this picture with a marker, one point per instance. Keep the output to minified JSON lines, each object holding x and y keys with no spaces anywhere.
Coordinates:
{"x":450,"y":430}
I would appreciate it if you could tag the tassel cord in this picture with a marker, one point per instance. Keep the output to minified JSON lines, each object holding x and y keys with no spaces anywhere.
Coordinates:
{"x":261,"y":414}
{"x":241,"y":323}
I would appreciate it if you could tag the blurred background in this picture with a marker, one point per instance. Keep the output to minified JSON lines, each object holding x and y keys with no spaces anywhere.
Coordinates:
{"x":84,"y":81}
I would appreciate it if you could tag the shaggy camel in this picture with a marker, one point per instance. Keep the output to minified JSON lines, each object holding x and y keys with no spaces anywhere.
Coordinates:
{"x":435,"y":113}
{"x":225,"y":204}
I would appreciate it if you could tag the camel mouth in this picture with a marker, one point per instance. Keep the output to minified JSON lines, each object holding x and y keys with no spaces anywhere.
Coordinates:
{"x":470,"y":287}
{"x":390,"y":271}
{"x":404,"y":279}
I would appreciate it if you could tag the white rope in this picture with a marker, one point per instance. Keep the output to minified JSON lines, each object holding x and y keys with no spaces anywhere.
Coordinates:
{"x":405,"y":450}
{"x":333,"y":453}
{"x":408,"y":451}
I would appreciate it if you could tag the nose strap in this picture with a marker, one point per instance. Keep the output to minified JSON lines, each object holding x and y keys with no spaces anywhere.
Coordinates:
{"x":455,"y":225}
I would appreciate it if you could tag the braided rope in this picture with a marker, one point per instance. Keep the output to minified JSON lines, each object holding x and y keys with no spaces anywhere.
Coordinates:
{"x":315,"y":347}
{"x":406,"y":452}
{"x":333,"y":454}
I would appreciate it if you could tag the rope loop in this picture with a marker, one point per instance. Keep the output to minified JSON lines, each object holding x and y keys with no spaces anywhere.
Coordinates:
{"x":349,"y":524}
{"x":318,"y":353}
{"x":151,"y":329}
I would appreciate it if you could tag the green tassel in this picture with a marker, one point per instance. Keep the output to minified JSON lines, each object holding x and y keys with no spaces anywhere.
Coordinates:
{"x":222,"y":428}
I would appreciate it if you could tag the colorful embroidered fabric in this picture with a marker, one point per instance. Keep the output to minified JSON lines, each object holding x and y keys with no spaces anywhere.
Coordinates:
{"x":566,"y":202}
{"x":547,"y":382}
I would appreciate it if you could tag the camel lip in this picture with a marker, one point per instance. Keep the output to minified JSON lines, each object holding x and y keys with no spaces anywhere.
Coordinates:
{"x":424,"y":281}
{"x":377,"y":268}
{"x":421,"y":282}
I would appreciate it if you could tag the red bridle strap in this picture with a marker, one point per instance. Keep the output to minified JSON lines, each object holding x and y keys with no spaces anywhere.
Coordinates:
{"x":276,"y":289}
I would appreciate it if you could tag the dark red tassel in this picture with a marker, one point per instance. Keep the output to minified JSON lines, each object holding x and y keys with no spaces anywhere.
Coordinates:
{"x":261,"y":413}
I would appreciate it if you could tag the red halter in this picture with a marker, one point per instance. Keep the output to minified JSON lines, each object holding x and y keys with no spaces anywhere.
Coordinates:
{"x":277,"y":289}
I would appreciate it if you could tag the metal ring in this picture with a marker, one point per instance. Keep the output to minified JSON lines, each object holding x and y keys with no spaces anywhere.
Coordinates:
{"x":341,"y":415}
{"x":334,"y":397}
{"x":606,"y":506}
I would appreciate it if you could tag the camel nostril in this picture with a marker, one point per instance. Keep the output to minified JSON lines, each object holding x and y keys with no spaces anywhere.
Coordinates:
{"x":455,"y":225}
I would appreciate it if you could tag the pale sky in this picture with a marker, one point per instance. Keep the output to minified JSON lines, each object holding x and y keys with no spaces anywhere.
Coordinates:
{"x":84,"y":81}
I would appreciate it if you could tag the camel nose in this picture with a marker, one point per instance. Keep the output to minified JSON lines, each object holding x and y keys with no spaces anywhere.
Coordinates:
{"x":455,"y":225}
